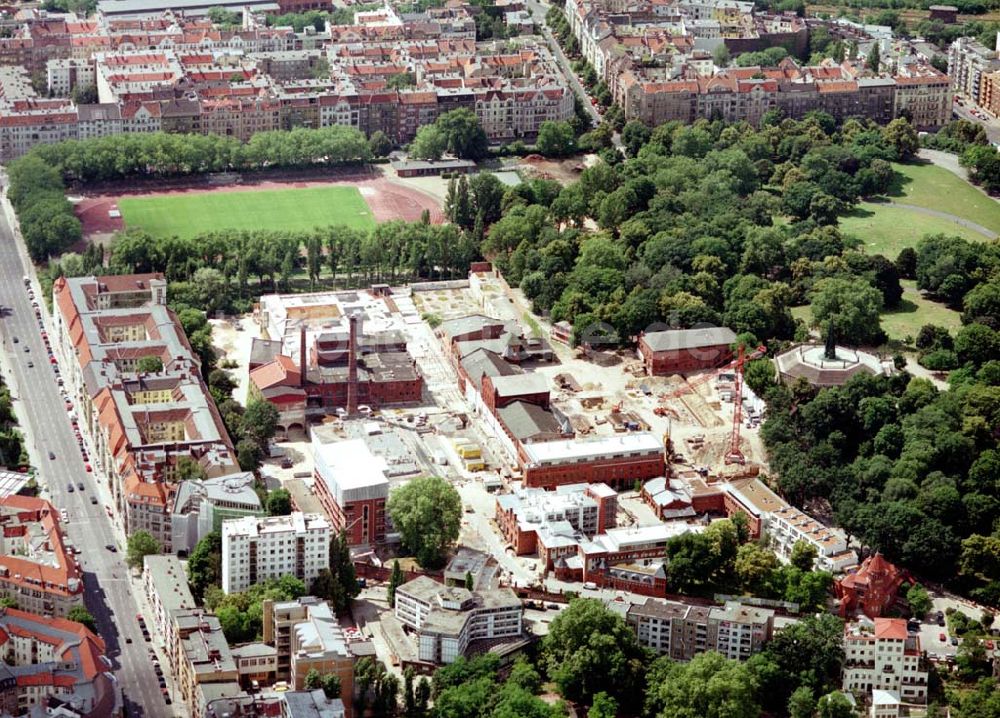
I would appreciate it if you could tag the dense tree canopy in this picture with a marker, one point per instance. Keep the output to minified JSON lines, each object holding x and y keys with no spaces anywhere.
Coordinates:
{"x":427,"y":512}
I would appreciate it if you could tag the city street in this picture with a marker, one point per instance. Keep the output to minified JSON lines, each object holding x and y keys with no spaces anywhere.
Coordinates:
{"x":992,"y":127}
{"x":46,"y":427}
{"x":538,"y":11}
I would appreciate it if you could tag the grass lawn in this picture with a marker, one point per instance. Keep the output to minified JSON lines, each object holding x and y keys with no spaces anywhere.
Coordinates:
{"x":926,"y":185}
{"x":186,"y":215}
{"x":886,"y":230}
{"x":914,"y":311}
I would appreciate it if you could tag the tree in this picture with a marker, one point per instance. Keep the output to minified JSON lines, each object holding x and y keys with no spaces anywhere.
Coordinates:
{"x":279,"y":503}
{"x":260,"y":421}
{"x":709,"y":686}
{"x":802,"y":704}
{"x":604,"y":706}
{"x":140,"y":544}
{"x":635,"y":134}
{"x":803,"y":556}
{"x":427,"y":512}
{"x":720,"y":55}
{"x":379,"y":143}
{"x":809,"y":653}
{"x":330,"y":683}
{"x":555,"y":139}
{"x":211,"y":289}
{"x":205,"y":564}
{"x":588,"y":650}
{"x":469,"y":581}
{"x":759,"y":375}
{"x":149,"y":365}
{"x":430,"y":143}
{"x":464,"y":136}
{"x":847,"y":309}
{"x":874,"y":60}
{"x":82,"y":615}
{"x":901,"y":135}
{"x":395,"y":581}
{"x":918,"y":600}
{"x":836,"y":704}
{"x":338,"y":584}
{"x":312,"y":680}
{"x":755,"y":567}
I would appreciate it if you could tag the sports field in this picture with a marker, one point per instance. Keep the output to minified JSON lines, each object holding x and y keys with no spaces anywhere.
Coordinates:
{"x":188,"y":214}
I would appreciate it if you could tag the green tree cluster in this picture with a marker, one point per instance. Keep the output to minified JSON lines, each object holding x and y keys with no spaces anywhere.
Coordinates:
{"x":427,"y":512}
{"x":471,"y":688}
{"x":241,"y":614}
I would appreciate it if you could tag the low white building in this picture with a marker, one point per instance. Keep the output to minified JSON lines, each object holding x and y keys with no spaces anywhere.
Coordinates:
{"x":447,"y":619}
{"x":256,"y":549}
{"x":787,"y":526}
{"x":884,"y":656}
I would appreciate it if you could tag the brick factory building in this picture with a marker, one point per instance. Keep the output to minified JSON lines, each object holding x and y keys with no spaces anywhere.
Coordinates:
{"x":351,"y":485}
{"x":676,"y":351}
{"x":618,"y":460}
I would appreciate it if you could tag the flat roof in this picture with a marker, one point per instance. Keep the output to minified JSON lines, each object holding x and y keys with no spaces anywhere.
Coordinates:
{"x":350,"y":469}
{"x":593,"y":447}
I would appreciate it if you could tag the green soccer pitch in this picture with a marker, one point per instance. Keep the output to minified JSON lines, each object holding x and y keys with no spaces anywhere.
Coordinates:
{"x":186,"y":215}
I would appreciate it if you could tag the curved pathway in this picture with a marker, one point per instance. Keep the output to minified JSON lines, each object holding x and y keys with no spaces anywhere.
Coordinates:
{"x":988,"y":233}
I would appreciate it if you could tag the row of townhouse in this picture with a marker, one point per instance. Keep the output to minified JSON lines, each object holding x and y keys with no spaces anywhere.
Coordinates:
{"x":298,"y":636}
{"x":656,"y":76}
{"x":144,"y":425}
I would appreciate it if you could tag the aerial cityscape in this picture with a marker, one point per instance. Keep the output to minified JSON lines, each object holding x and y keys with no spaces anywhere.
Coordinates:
{"x":499,"y":359}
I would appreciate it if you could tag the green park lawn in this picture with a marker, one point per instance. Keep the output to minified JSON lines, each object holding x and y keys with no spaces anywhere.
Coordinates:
{"x":913,"y":312}
{"x":926,"y":185}
{"x":186,"y":215}
{"x":887,"y":229}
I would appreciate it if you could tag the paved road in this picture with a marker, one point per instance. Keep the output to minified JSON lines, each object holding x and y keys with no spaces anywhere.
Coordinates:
{"x":992,"y":127}
{"x":47,"y":426}
{"x":538,"y":11}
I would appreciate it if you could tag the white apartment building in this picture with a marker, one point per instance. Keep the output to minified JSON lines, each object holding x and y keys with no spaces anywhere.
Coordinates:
{"x":787,"y":526}
{"x":256,"y":549}
{"x":447,"y":619}
{"x":884,"y":657}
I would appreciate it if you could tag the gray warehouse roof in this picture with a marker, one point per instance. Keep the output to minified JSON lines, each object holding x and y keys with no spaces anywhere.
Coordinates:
{"x":673,"y":339}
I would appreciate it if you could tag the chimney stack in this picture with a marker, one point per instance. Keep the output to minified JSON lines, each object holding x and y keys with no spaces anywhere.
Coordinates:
{"x":352,"y":366}
{"x":302,"y":355}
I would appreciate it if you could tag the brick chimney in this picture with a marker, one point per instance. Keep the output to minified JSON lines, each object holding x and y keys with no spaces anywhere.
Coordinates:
{"x":303,"y":363}
{"x":352,"y":366}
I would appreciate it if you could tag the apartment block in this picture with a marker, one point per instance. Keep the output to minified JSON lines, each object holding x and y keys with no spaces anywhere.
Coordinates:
{"x":968,"y":61}
{"x":883,"y":655}
{"x":200,"y":507}
{"x":165,"y":584}
{"x":51,"y":659}
{"x":143,"y":424}
{"x":587,"y":508}
{"x":682,"y":631}
{"x":306,"y":635}
{"x":206,"y":670}
{"x":255,"y":549}
{"x":38,"y":571}
{"x":445,"y":620}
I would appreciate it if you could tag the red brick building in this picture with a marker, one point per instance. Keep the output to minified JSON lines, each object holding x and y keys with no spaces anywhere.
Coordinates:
{"x":618,"y":460}
{"x":352,"y":487}
{"x":683,"y":350}
{"x":381,"y":373}
{"x":872,"y":588}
